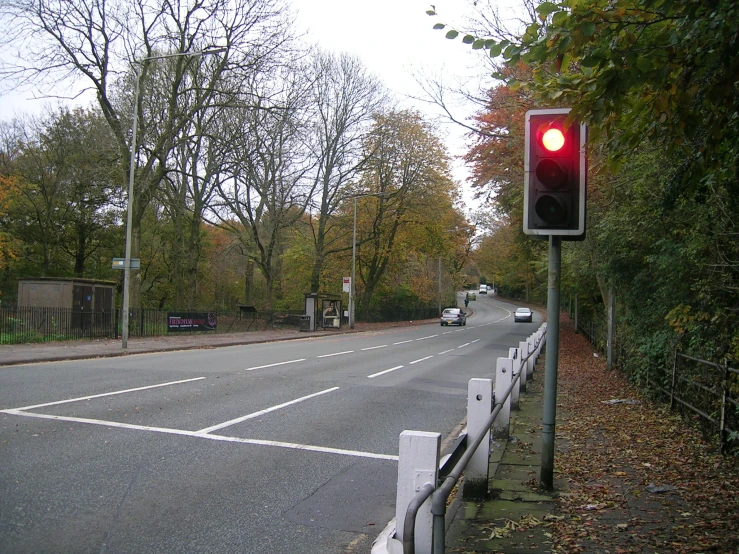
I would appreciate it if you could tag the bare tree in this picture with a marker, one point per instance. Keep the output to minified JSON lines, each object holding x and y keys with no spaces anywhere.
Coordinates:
{"x":344,"y":97}
{"x":103,"y":43}
{"x":267,"y":191}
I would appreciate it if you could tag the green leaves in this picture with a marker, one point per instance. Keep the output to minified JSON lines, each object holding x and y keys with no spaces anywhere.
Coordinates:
{"x":545,"y":9}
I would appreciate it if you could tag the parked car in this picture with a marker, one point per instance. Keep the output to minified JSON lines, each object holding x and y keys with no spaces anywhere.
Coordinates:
{"x":523,"y":314}
{"x":453,"y":316}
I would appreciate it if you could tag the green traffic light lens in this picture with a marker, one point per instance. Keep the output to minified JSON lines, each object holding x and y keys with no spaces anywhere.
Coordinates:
{"x":551,"y":210}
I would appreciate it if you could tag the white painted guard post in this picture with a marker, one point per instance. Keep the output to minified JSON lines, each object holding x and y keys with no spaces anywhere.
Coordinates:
{"x":479,"y":408}
{"x":532,"y":360}
{"x":523,"y":350}
{"x":418,"y":464}
{"x":516,"y":392}
{"x":503,"y":378}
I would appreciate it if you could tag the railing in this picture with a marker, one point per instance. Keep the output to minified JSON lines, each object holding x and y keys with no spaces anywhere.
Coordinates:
{"x":419,"y":450}
{"x":34,"y":324}
{"x":704,"y":388}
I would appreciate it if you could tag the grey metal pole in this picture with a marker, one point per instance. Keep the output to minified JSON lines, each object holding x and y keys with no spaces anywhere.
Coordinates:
{"x":439,"y":272}
{"x":611,"y":328}
{"x":551,"y":363}
{"x":354,"y":263}
{"x":129,"y":214}
{"x":132,"y":167}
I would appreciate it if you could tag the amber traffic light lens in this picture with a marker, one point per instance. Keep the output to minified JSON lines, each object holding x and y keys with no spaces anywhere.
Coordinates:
{"x":551,"y":174}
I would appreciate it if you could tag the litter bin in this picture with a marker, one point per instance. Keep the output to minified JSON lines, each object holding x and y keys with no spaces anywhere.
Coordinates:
{"x":304,"y":323}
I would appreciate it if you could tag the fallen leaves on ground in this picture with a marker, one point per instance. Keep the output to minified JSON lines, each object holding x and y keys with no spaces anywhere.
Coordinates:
{"x":614,"y":446}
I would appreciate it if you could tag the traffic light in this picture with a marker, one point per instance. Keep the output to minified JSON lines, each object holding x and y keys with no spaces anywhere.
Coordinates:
{"x":555,"y":172}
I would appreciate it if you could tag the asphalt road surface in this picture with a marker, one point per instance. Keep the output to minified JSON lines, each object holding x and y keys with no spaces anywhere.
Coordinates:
{"x":285,"y":447}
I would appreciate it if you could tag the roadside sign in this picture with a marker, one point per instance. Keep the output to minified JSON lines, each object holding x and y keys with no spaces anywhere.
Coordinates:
{"x":347,"y":284}
{"x":120,"y":263}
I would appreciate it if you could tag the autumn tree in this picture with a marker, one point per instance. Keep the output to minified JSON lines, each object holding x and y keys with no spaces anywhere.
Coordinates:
{"x":654,"y":81}
{"x":64,"y":185}
{"x":409,"y":167}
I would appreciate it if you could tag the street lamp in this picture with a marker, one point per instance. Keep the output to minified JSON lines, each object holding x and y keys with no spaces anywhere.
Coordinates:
{"x":132,"y":167}
{"x":354,"y":254}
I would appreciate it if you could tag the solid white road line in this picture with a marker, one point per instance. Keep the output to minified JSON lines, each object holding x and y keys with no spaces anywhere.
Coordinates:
{"x":294,"y":446}
{"x":383,"y":372}
{"x":262,"y":412}
{"x":273,"y":365}
{"x":81,"y":398}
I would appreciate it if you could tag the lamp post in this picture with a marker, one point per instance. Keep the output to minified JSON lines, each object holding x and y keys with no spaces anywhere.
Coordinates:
{"x":354,"y":254}
{"x":132,"y":167}
{"x":439,"y":273}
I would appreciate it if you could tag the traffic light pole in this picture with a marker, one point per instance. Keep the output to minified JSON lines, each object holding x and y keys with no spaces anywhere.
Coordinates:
{"x":546,"y":478}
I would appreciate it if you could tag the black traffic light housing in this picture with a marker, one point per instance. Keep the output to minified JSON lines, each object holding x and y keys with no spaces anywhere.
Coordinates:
{"x":555,"y":175}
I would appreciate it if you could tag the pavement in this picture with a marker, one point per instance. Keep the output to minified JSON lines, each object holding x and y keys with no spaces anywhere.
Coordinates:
{"x":513,"y":518}
{"x":12,"y":354}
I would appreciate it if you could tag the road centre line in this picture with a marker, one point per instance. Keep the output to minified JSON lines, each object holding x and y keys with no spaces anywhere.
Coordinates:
{"x":429,"y":337}
{"x":81,"y":398}
{"x":384,"y":372}
{"x":402,"y":342}
{"x":419,"y":360}
{"x":335,"y":354}
{"x":445,"y":351}
{"x":294,"y":446}
{"x":273,"y":365}
{"x":262,"y":412}
{"x":374,"y":347}
{"x":463,"y":345}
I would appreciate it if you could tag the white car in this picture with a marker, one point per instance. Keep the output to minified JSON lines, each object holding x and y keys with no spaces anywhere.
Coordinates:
{"x":523,"y":314}
{"x":483,"y":289}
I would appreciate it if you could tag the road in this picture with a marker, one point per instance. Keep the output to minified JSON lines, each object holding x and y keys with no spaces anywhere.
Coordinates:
{"x":286,"y":447}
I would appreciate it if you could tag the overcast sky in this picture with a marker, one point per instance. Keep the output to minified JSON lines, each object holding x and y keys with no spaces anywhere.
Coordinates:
{"x":394,"y":39}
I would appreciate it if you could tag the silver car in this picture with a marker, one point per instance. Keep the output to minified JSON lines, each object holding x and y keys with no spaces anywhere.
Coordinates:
{"x":523,"y":314}
{"x":453,"y":316}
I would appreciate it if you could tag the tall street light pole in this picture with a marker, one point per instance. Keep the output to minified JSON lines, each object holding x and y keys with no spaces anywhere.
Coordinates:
{"x":132,"y":168}
{"x":354,"y":255}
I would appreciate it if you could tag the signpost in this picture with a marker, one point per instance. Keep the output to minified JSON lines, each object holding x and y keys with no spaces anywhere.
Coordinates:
{"x":120,"y":263}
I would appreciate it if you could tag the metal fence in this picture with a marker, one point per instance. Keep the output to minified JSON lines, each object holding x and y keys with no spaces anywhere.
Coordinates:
{"x":706,"y":389}
{"x":697,"y":387}
{"x":31,"y":324}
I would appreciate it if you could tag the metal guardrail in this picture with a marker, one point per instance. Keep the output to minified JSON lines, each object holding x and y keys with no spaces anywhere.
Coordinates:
{"x":440,"y":495}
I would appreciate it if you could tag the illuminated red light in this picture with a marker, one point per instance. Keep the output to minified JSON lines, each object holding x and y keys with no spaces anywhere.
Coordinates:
{"x":553,"y":140}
